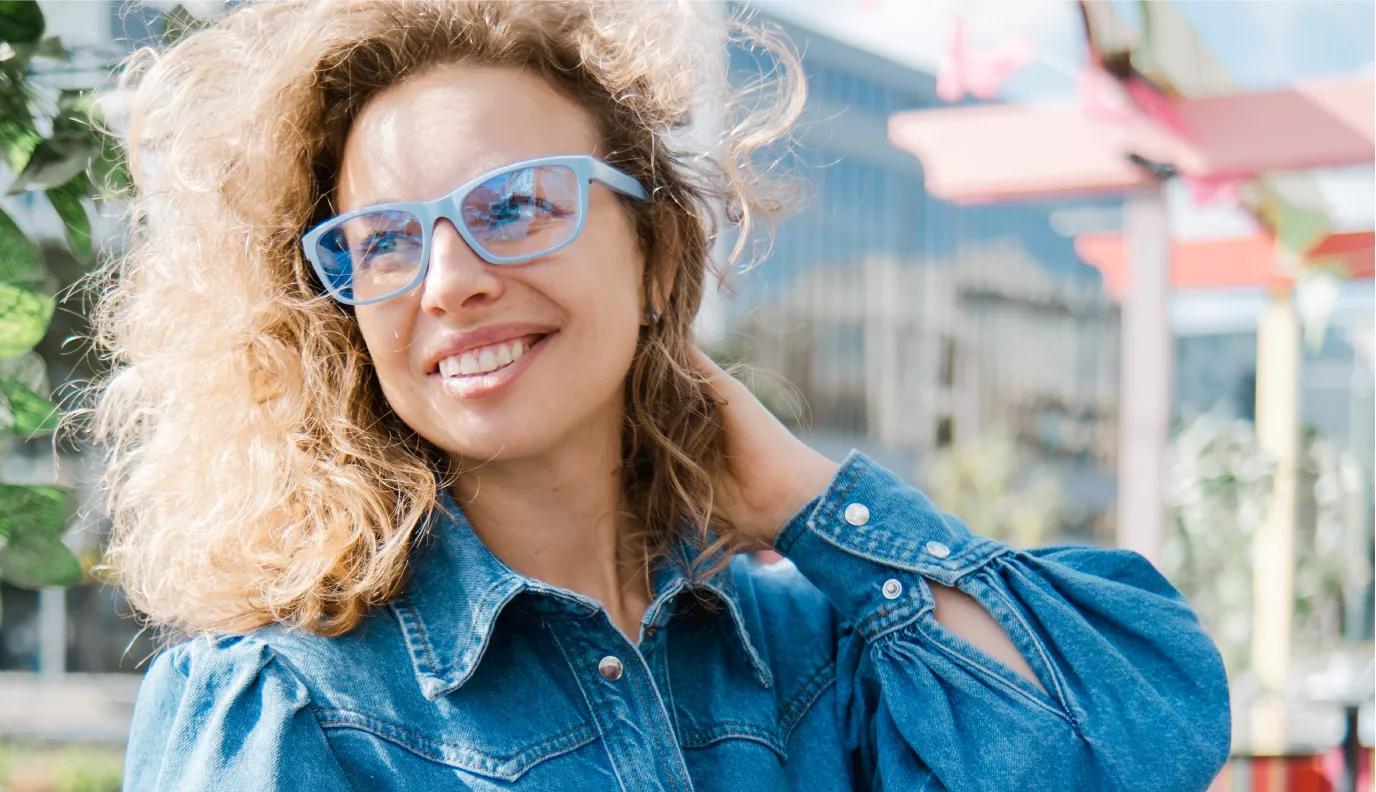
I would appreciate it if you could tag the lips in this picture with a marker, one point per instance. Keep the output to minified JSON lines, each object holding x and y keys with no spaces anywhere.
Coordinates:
{"x":492,"y":383}
{"x":452,"y":342}
{"x":531,"y":339}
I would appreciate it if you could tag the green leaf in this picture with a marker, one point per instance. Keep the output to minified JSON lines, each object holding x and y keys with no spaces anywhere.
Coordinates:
{"x":178,"y":23}
{"x":32,"y":520}
{"x":54,"y":162}
{"x":24,"y":317}
{"x":66,"y":199}
{"x":33,"y":560}
{"x":21,"y":21}
{"x":32,"y":414}
{"x":38,"y":507}
{"x":110,"y":168}
{"x":18,"y":254}
{"x":18,"y":138}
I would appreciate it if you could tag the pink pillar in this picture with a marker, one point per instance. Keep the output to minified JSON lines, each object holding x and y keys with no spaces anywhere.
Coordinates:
{"x":1144,"y":405}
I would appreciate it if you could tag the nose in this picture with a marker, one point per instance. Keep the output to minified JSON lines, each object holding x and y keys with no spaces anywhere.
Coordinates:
{"x":457,"y":279}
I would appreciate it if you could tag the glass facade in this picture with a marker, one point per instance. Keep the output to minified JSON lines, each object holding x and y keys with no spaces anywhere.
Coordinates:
{"x":863,"y":197}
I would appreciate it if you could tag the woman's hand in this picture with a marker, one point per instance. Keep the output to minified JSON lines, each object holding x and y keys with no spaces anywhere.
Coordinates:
{"x":770,"y":473}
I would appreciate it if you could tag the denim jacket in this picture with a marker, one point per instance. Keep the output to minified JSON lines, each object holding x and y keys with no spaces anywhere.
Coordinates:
{"x":826,"y":671}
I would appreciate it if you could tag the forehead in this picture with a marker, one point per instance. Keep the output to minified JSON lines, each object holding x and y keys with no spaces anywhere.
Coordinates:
{"x":422,"y":137}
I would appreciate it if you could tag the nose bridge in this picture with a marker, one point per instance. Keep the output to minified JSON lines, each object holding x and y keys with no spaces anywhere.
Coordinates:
{"x":456,"y":272}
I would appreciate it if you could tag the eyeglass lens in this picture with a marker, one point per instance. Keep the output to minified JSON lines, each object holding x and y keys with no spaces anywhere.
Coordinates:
{"x":520,"y":213}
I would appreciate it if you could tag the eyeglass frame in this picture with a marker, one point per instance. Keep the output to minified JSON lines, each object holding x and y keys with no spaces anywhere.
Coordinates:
{"x":586,"y":168}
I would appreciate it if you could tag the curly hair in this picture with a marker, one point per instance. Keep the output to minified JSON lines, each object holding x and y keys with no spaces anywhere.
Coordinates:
{"x":253,"y":471}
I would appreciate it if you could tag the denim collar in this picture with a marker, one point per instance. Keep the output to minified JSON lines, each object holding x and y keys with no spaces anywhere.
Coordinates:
{"x":458,"y":588}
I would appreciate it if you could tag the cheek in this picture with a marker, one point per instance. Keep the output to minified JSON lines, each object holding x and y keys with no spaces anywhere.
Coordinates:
{"x":385,"y":348}
{"x":608,"y":306}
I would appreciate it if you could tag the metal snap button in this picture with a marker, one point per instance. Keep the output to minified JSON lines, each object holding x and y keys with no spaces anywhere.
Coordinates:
{"x":938,"y":549}
{"x":892,"y":589}
{"x":610,"y":668}
{"x":857,"y":514}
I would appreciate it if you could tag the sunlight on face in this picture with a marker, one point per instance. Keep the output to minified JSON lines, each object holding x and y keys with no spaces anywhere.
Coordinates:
{"x":421,"y":139}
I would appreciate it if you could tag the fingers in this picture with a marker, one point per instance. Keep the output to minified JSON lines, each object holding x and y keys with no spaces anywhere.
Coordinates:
{"x":719,"y":381}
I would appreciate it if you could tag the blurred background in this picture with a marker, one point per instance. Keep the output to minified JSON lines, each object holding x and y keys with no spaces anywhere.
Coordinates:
{"x":1085,"y":272}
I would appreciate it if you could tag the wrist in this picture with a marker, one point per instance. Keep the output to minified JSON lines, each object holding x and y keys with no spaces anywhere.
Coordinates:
{"x":807,"y":482}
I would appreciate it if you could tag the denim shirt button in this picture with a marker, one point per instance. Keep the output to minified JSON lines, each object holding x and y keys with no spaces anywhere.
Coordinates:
{"x":610,"y":668}
{"x":857,"y":514}
{"x":938,"y":549}
{"x":892,"y":589}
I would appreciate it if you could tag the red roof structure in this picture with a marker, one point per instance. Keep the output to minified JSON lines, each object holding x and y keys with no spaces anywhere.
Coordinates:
{"x":1226,"y":262}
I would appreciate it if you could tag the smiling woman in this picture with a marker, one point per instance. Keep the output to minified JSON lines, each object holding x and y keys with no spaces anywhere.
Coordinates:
{"x":409,"y":431}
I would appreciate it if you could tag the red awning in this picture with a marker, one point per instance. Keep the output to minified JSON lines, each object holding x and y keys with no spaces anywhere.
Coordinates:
{"x":1219,"y":263}
{"x":1003,"y":152}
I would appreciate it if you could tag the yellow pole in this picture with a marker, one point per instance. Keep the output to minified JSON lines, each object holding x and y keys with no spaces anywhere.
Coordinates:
{"x":1278,"y":410}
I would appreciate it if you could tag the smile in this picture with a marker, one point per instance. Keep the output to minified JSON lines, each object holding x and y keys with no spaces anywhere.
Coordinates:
{"x":488,"y":370}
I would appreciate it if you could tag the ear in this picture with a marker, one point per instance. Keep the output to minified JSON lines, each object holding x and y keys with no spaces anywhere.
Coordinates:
{"x":659,"y":285}
{"x":661,"y":293}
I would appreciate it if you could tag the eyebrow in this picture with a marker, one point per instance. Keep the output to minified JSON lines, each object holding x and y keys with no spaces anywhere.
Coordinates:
{"x":389,"y":199}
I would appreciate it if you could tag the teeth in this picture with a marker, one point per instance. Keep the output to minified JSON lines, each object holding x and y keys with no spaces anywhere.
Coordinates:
{"x":484,"y":360}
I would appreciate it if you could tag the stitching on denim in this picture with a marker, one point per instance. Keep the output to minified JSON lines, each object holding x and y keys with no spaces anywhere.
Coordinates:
{"x":866,"y":543}
{"x":587,"y":702}
{"x":843,"y":481}
{"x":488,"y":612}
{"x":974,"y":657}
{"x":455,"y":755}
{"x":683,"y":775}
{"x":791,"y":714}
{"x":412,"y":627}
{"x":843,"y":487}
{"x":762,"y":673}
{"x":887,"y":619}
{"x":662,"y":658}
{"x":727,"y":730}
{"x":978,"y":551}
{"x":1062,"y":693}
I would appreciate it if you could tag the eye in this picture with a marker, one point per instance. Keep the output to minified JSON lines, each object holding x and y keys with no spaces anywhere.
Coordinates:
{"x":518,"y":206}
{"x":383,"y":243}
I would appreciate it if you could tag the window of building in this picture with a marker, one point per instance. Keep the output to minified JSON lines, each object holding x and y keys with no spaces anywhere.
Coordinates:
{"x":945,"y":432}
{"x":947,"y":375}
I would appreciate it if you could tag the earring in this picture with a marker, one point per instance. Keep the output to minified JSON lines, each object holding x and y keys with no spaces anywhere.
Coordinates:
{"x":654,"y":316}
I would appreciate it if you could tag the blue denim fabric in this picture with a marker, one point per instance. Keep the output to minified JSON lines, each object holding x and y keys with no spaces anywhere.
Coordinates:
{"x":824,"y":672}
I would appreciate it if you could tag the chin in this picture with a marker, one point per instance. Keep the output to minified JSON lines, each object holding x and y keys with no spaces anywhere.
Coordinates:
{"x":485,"y":439}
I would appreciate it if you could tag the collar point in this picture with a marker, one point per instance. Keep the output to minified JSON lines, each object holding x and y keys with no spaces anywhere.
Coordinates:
{"x":433,"y":689}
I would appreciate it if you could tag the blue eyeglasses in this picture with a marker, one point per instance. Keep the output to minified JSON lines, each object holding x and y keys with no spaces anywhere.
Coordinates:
{"x":510,"y":215}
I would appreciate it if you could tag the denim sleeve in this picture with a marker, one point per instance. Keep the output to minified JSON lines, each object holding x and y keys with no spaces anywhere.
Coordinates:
{"x":226,"y":714}
{"x":1136,"y":697}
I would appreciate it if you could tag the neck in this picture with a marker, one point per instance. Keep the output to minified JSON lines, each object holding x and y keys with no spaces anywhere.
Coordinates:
{"x":561,"y":518}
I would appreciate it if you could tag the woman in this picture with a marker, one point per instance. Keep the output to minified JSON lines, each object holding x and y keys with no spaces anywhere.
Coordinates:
{"x":410,"y":432}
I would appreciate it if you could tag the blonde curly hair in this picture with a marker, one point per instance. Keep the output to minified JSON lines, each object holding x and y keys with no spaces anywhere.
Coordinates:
{"x":253,"y":470}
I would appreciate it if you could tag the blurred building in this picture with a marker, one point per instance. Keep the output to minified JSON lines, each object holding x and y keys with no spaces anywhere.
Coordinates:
{"x":909,"y":325}
{"x":915,"y":357}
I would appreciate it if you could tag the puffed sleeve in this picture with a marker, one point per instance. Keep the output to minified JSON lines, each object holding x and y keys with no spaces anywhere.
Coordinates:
{"x":226,"y":714}
{"x":1135,"y":693}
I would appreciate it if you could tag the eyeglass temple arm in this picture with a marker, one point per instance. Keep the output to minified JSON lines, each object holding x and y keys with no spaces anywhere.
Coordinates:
{"x":617,"y":180}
